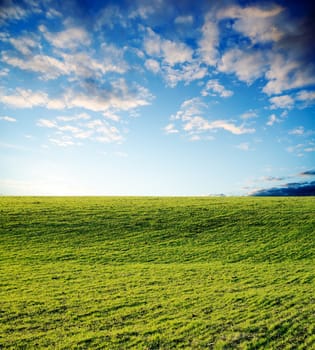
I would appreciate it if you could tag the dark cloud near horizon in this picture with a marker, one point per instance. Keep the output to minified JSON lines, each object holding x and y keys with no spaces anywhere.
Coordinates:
{"x":290,"y":189}
{"x":274,"y":178}
{"x":308,"y":173}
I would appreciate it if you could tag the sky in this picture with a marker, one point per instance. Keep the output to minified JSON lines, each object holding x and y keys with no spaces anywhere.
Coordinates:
{"x":167,"y":98}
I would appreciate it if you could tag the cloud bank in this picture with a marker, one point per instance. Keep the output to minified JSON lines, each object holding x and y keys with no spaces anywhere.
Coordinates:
{"x":289,"y":189}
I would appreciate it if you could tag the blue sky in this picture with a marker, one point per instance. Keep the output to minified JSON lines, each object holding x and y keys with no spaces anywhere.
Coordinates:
{"x":155,"y":97}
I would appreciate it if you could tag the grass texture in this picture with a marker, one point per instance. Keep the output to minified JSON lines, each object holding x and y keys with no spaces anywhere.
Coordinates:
{"x":157,"y":273}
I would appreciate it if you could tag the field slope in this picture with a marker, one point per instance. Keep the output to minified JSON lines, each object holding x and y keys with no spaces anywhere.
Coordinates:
{"x":157,"y":273}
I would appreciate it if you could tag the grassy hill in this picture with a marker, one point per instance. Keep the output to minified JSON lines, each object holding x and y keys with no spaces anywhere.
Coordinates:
{"x":157,"y":273}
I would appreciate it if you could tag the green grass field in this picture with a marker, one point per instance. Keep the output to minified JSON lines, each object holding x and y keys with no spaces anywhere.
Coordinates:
{"x":157,"y":273}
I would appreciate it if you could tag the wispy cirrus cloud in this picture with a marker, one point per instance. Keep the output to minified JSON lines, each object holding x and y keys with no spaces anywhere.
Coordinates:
{"x":199,"y":124}
{"x":297,"y":131}
{"x":8,"y":119}
{"x":191,"y":120}
{"x":72,"y":130}
{"x":249,"y":115}
{"x":244,"y":146}
{"x":300,"y":149}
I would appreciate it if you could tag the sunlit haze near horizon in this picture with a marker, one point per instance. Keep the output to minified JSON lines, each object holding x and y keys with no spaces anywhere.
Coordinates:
{"x":156,"y":97}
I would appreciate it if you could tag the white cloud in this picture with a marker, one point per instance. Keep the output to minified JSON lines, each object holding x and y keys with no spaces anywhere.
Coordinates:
{"x":250,"y":11}
{"x":258,"y":24}
{"x":67,"y":130}
{"x":82,"y":65}
{"x":282,"y":64}
{"x":173,"y":59}
{"x":297,"y":131}
{"x":120,"y":97}
{"x":192,"y":120}
{"x":8,"y":119}
{"x":244,"y":146}
{"x":247,"y":65}
{"x":109,"y":16}
{"x":46,"y":123}
{"x":48,"y":67}
{"x":80,"y":116}
{"x":53,"y":13}
{"x":197,"y":124}
{"x":249,"y":115}
{"x":70,"y":38}
{"x":77,"y":65}
{"x":170,"y":129}
{"x":292,"y":149}
{"x":24,"y":44}
{"x":33,"y":55}
{"x":273,"y":119}
{"x":184,"y":20}
{"x":144,"y":9}
{"x":112,"y":115}
{"x":285,"y":74}
{"x":214,"y":88}
{"x":195,"y":138}
{"x":63,"y":141}
{"x":258,"y":30}
{"x":284,"y":101}
{"x":25,"y":99}
{"x":57,"y":103}
{"x":152,"y":65}
{"x":187,"y":73}
{"x":300,"y":148}
{"x":189,"y":108}
{"x":11,"y":12}
{"x":209,"y":42}
{"x":176,"y":52}
{"x":306,"y":95}
{"x":4,"y":72}
{"x":172,"y":52}
{"x":152,"y":43}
